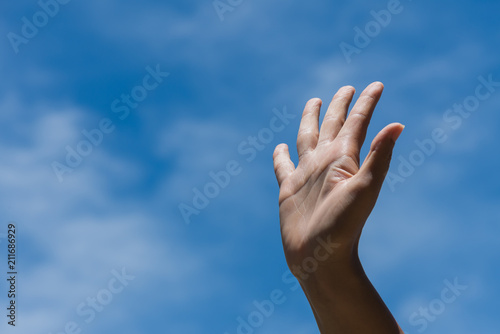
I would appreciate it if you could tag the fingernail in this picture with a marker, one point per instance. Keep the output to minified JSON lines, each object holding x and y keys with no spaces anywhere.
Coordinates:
{"x":396,"y":134}
{"x":376,"y":86}
{"x":347,"y":88}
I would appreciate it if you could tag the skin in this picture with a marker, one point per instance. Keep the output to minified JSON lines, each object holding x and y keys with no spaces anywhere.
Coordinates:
{"x":326,"y":200}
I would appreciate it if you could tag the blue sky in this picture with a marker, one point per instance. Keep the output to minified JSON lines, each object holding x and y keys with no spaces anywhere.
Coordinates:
{"x":116,"y":214}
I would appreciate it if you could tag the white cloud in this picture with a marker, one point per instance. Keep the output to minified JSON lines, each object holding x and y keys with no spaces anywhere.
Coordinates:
{"x":79,"y":230}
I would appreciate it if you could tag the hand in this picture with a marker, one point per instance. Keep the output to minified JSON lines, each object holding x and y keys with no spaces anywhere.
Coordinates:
{"x":326,"y":200}
{"x":329,"y":194}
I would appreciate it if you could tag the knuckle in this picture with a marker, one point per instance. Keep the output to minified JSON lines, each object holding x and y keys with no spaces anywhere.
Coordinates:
{"x":366,"y":181}
{"x":367,"y":98}
{"x":342,"y":96}
{"x":333,"y":119}
{"x":359,"y":116}
{"x":278,"y":165}
{"x":308,"y":133}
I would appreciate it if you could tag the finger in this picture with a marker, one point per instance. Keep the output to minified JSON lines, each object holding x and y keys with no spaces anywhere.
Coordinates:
{"x":376,"y":164}
{"x":354,"y":129}
{"x":307,"y":137}
{"x":283,"y":166}
{"x":336,"y":114}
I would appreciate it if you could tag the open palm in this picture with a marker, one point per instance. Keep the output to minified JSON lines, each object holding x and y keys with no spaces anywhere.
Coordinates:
{"x":329,"y":195}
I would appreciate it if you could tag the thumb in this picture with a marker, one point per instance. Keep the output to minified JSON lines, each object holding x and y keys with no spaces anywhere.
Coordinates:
{"x":377,"y":161}
{"x":283,"y":166}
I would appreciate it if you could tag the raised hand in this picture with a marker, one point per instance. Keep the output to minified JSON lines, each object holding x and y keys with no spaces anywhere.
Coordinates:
{"x":328,"y":198}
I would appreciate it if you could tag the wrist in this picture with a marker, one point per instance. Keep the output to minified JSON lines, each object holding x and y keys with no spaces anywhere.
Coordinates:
{"x":323,"y":258}
{"x":331,"y":278}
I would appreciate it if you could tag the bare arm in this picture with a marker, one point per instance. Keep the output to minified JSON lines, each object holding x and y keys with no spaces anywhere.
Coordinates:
{"x":324,"y":204}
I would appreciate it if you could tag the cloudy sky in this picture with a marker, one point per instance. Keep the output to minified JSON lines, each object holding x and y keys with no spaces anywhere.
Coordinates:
{"x":117,"y":116}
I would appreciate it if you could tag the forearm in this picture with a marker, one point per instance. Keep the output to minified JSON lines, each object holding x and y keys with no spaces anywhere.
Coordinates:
{"x":329,"y":196}
{"x":347,"y":303}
